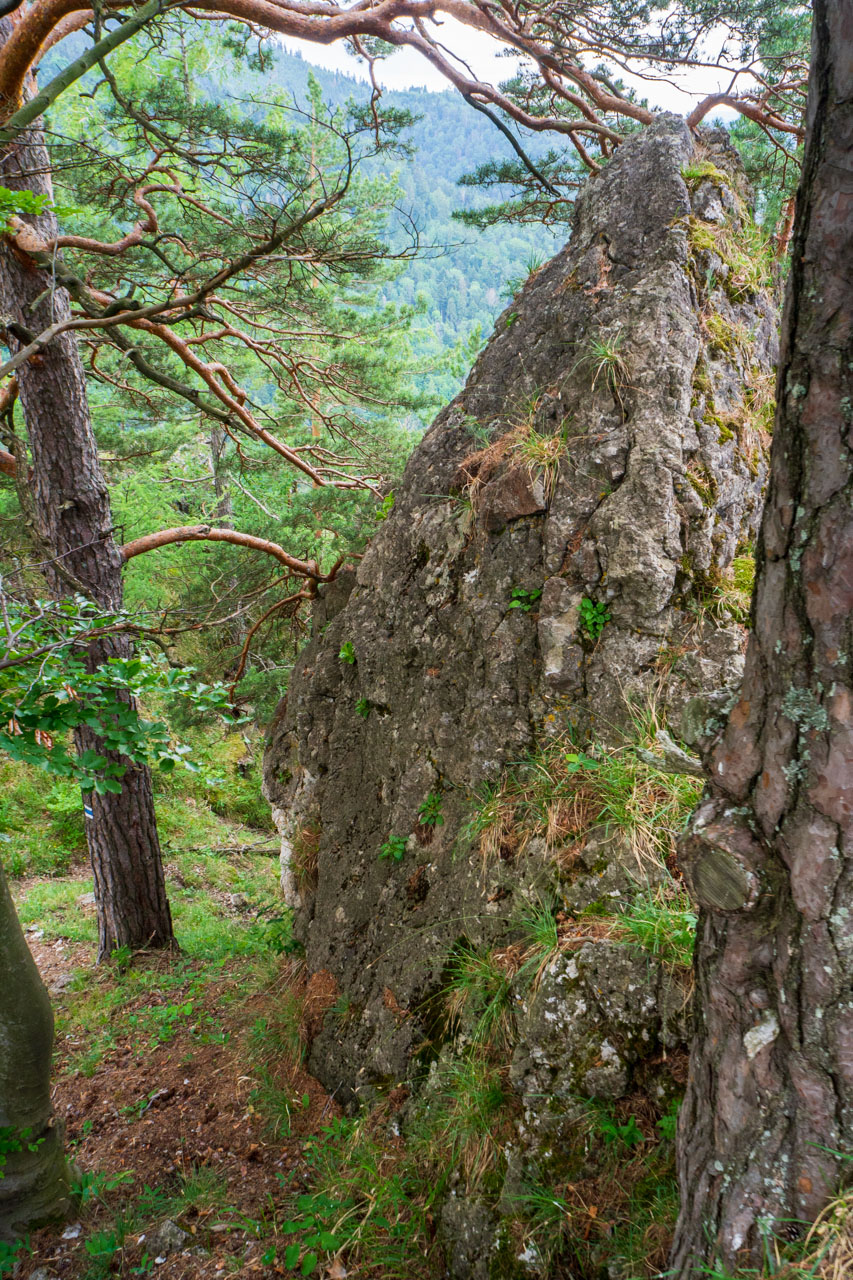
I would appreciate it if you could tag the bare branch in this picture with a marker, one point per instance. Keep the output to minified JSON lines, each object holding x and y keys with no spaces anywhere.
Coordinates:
{"x":205,"y":533}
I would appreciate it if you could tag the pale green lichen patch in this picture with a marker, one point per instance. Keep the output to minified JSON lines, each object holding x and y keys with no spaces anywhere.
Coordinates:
{"x":802,"y":706}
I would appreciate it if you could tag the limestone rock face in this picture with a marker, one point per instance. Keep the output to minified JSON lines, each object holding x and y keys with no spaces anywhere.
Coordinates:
{"x":549,"y":547}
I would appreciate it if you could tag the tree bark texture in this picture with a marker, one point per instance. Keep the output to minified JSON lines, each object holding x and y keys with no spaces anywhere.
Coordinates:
{"x":769,"y":854}
{"x":34,"y":1181}
{"x":72,"y":511}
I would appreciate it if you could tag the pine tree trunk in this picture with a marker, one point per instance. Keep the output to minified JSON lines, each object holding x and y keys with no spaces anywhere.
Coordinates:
{"x":72,"y":511}
{"x":33,"y":1181}
{"x":769,"y":855}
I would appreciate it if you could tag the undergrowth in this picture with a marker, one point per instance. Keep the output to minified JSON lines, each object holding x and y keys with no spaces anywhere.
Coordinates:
{"x":559,"y":793}
{"x":367,"y":1194}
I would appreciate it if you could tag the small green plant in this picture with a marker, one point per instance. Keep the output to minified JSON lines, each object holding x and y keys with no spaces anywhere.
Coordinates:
{"x":362,"y":708}
{"x":548,"y":1220}
{"x":667,"y":1126}
{"x":347,"y":653}
{"x":367,"y":1201}
{"x":731,"y":595}
{"x":614,"y":1132}
{"x":102,"y":1247}
{"x":524,"y":600}
{"x":121,"y":957}
{"x":318,"y":1214}
{"x":461,"y":1122}
{"x":534,"y":262}
{"x":90,"y":1187}
{"x":607,"y":362}
{"x":475,"y":429}
{"x":578,"y":761}
{"x":542,"y":451}
{"x":478,"y":996}
{"x":540,"y":930}
{"x":430,"y":813}
{"x":594,"y":616}
{"x":385,"y":508}
{"x":394,"y":848}
{"x":10,"y":1256}
{"x":161,"y":1022}
{"x":135,"y":1109}
{"x":279,"y":1041}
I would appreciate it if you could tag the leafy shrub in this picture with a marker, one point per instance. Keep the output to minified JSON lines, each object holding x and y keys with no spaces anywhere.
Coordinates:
{"x":593,"y":616}
{"x":394,"y":848}
{"x":430,"y":812}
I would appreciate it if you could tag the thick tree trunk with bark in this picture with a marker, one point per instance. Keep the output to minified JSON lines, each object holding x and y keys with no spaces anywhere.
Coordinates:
{"x":34,"y":1180}
{"x":72,"y":514}
{"x":769,"y":1105}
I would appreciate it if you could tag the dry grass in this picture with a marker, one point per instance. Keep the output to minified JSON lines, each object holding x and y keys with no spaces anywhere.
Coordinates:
{"x":559,"y":794}
{"x":305,"y":848}
{"x":828,"y":1245}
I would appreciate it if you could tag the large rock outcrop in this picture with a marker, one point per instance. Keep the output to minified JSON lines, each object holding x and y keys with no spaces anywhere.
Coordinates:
{"x":545,"y":568}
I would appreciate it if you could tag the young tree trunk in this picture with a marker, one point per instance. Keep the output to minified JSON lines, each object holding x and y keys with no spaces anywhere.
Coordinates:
{"x":769,"y":1106}
{"x":34,"y":1181}
{"x":72,"y":512}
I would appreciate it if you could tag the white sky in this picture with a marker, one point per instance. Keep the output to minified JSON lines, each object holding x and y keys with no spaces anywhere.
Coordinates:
{"x":405,"y":68}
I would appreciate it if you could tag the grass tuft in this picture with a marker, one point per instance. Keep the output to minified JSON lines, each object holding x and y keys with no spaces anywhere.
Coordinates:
{"x":559,"y":793}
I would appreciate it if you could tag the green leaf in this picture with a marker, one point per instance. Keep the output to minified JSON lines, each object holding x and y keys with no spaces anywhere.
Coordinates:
{"x":291,"y":1255}
{"x":309,"y":1262}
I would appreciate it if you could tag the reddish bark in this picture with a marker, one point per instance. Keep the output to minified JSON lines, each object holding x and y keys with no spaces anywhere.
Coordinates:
{"x":769,"y":1105}
{"x":205,"y":533}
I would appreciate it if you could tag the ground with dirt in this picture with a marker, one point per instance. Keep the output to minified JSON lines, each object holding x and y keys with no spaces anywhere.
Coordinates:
{"x":169,"y":1134}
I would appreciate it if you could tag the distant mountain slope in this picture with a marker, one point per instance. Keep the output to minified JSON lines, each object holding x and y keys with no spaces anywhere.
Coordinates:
{"x":468,"y":285}
{"x":464,"y":286}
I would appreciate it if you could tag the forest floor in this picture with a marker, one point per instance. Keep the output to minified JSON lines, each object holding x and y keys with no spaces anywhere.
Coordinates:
{"x":194,"y":1131}
{"x":200,"y":1146}
{"x":181,"y":1171}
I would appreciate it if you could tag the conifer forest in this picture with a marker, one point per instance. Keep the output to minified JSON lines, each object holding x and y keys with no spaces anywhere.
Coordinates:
{"x":426,"y":630}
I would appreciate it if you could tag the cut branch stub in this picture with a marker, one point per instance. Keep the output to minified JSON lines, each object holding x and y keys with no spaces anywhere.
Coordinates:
{"x":719,"y":857}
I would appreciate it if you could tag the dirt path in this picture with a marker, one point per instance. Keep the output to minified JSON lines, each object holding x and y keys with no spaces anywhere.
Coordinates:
{"x":182,"y":1174}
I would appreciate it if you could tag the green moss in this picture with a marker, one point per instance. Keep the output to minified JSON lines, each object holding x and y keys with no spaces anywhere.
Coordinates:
{"x":745,"y":249}
{"x":704,"y":170}
{"x":702,"y":385}
{"x":727,"y":337}
{"x":702,"y":237}
{"x":703,"y":483}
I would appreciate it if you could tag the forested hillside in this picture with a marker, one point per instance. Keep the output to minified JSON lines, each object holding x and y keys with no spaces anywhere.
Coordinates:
{"x":472,"y":275}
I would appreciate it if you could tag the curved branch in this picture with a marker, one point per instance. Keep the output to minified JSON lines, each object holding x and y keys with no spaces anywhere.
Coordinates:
{"x":66,"y":27}
{"x":770,"y":119}
{"x":117,"y":247}
{"x":204,"y":533}
{"x":514,"y":143}
{"x":305,"y":594}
